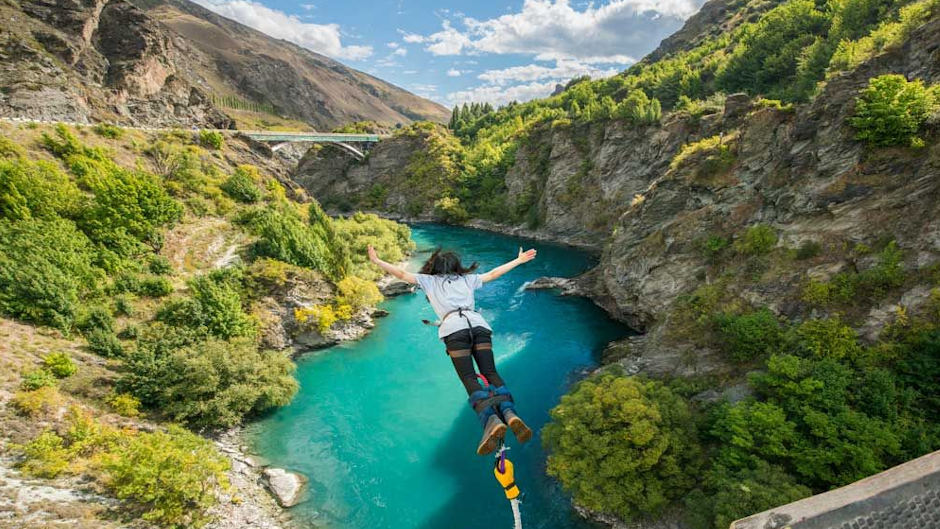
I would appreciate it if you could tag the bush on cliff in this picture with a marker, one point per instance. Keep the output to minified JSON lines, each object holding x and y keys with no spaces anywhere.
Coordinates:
{"x":391,"y":240}
{"x":892,"y":111}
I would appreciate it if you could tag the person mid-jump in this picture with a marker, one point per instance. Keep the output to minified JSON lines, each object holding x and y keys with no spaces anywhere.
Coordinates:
{"x":449,"y":287}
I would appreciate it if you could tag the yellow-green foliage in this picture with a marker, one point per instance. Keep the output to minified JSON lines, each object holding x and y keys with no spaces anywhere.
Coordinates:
{"x":391,"y":240}
{"x":357,"y":293}
{"x":758,"y":239}
{"x":449,"y":210}
{"x":37,"y":378}
{"x":850,"y":287}
{"x":211,"y":139}
{"x":433,"y":170}
{"x":712,"y":157}
{"x":41,"y":401}
{"x":889,"y":33}
{"x":171,"y":476}
{"x":638,"y":432}
{"x":322,"y":316}
{"x":59,"y":364}
{"x":124,"y":404}
{"x":892,"y":110}
{"x":106,"y":130}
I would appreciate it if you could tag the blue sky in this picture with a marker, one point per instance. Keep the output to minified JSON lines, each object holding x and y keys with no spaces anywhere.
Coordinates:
{"x":453,"y":52}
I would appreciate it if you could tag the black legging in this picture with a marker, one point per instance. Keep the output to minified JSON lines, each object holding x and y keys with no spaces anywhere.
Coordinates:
{"x":462,"y":354}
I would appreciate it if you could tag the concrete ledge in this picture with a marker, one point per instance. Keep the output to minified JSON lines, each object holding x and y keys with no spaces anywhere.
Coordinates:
{"x":870,"y":496}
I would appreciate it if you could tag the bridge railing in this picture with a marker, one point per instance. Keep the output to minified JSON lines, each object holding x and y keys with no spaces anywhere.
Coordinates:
{"x":312,"y":136}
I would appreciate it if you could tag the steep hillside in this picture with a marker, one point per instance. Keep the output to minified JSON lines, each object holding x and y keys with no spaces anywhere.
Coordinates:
{"x":150,"y":280}
{"x":177,"y":64}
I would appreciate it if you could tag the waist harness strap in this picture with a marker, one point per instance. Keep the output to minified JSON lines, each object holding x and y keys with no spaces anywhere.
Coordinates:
{"x":482,"y":404}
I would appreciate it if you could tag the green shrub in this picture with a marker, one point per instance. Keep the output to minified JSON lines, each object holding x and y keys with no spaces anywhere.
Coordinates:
{"x":243,"y":184}
{"x":128,"y":207}
{"x":45,"y":268}
{"x":714,"y":246}
{"x":283,"y":235}
{"x":95,"y":317}
{"x":9,"y":149}
{"x":36,"y":189}
{"x":211,"y":139}
{"x":212,"y":383}
{"x":45,"y":456}
{"x":104,"y":343}
{"x":638,"y":432}
{"x":124,"y":305}
{"x":41,"y":401}
{"x":214,"y":305}
{"x":37,"y":378}
{"x":892,"y":110}
{"x":826,"y":338}
{"x":154,"y":287}
{"x":59,"y":364}
{"x":124,"y":404}
{"x":109,"y":131}
{"x":758,"y":239}
{"x":748,"y":336}
{"x":173,"y":474}
{"x":159,"y":265}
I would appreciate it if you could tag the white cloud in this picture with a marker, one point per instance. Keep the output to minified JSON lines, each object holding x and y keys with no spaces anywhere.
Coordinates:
{"x":448,"y":41}
{"x":393,"y":45}
{"x":321,"y":38}
{"x":500,"y":95}
{"x":453,"y":72}
{"x":412,"y":38}
{"x":427,"y":91}
{"x":562,"y":70}
{"x":553,"y":29}
{"x":401,"y":52}
{"x":308,"y":7}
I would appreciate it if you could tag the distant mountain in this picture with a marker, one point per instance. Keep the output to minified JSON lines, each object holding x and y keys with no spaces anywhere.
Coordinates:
{"x":175,"y":63}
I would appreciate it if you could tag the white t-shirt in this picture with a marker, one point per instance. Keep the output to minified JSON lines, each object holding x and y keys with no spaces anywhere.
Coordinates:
{"x":451,"y":292}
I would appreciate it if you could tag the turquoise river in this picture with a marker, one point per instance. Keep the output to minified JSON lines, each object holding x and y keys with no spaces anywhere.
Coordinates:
{"x":382,"y":428}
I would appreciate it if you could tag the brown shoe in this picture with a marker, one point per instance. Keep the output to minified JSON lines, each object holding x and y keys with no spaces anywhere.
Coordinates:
{"x":522,"y":432}
{"x":494,"y":430}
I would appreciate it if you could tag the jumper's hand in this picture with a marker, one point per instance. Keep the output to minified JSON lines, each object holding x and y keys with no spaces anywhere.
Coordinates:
{"x":372,"y":255}
{"x":526,"y":256}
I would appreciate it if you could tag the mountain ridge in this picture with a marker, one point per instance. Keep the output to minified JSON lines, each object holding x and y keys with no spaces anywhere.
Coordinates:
{"x":151,"y":63}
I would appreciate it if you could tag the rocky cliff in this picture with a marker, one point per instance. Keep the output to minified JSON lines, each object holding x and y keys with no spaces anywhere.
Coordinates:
{"x":163,"y":64}
{"x":650,"y":197}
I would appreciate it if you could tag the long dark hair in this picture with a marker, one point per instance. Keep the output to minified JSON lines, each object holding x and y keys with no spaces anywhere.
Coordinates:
{"x":443,"y":263}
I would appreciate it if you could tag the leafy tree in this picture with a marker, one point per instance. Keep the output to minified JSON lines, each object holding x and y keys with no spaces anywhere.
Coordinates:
{"x":622,"y":445}
{"x":212,"y":139}
{"x":283,"y":235}
{"x":392,"y":240}
{"x":892,"y":110}
{"x":758,"y":239}
{"x":751,"y":490}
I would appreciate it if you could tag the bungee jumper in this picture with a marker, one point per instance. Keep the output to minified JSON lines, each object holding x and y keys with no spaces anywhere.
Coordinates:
{"x":467,"y":337}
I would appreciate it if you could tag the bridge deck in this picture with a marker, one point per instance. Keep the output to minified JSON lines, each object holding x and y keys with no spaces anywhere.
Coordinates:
{"x":318,"y":137}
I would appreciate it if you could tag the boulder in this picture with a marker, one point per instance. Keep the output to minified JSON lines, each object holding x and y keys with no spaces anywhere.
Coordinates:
{"x":395,"y":287}
{"x":287,"y":487}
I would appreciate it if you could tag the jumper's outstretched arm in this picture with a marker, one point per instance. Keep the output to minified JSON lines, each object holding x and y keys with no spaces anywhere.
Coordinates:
{"x":524,"y":257}
{"x":392,"y":269}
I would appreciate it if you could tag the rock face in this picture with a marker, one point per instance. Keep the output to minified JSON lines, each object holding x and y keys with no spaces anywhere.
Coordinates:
{"x":287,"y":487}
{"x":339,"y":181}
{"x":161,"y":63}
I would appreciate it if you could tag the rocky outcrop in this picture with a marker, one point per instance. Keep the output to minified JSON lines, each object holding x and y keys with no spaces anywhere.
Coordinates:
{"x":287,"y":487}
{"x":340,"y":182}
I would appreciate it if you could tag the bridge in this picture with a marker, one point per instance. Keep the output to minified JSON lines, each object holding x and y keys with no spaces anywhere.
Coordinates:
{"x":342,"y":140}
